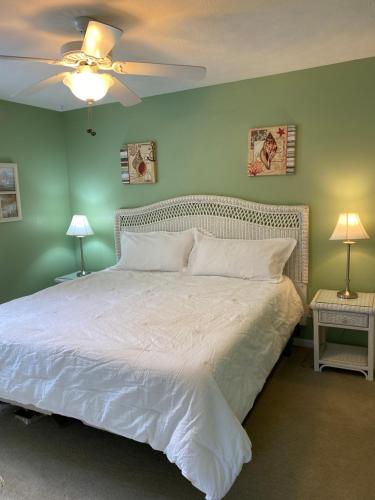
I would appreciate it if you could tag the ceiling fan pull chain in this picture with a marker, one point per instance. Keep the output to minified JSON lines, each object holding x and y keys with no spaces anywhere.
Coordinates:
{"x":90,"y":129}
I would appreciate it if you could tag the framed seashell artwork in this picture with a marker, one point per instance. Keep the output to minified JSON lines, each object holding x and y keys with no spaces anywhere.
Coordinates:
{"x":271,"y":150}
{"x":138,"y":163}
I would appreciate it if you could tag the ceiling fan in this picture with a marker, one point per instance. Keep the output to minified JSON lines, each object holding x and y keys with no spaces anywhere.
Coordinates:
{"x":90,"y":62}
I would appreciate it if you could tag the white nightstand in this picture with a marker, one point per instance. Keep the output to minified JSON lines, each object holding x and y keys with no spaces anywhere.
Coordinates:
{"x":351,"y":314}
{"x":66,"y":277}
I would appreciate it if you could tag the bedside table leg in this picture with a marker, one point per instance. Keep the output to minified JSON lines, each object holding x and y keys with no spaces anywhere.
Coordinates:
{"x":316,"y":342}
{"x":371,"y":349}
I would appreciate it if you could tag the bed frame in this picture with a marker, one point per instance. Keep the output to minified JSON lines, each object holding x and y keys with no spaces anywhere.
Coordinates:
{"x":226,"y":217}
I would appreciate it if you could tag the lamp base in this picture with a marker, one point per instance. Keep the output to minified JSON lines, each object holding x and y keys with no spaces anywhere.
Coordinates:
{"x":347,"y":294}
{"x":83,"y":273}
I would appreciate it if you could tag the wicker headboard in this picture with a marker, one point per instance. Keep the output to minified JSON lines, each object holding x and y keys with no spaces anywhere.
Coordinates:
{"x":226,"y":218}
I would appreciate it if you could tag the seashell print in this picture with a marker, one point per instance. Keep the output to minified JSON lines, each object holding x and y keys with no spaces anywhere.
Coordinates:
{"x":268,"y":151}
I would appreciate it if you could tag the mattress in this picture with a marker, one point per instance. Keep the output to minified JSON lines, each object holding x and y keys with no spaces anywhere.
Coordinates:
{"x":168,"y":359}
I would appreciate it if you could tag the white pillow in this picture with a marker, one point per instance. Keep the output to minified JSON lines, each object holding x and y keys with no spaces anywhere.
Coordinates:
{"x":156,"y":251}
{"x":259,"y":260}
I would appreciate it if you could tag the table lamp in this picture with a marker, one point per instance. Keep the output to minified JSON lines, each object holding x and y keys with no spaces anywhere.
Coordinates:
{"x":348,"y":228}
{"x":80,"y":228}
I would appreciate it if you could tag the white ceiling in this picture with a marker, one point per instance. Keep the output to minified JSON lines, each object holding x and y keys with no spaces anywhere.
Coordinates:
{"x":234,"y":39}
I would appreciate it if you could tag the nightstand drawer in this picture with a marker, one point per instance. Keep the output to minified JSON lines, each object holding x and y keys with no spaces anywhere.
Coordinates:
{"x":344,"y":318}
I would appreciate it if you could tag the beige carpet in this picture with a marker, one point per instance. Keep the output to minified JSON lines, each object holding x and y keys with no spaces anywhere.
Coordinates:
{"x":313,"y":439}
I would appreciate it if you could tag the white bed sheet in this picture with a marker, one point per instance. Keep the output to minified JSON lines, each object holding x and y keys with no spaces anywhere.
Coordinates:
{"x":164,"y":358}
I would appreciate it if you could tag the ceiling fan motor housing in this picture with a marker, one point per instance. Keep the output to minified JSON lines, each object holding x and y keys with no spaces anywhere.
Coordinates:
{"x":72,"y":55}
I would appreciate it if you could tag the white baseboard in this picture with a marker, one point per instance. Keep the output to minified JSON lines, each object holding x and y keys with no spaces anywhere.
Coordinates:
{"x":303,"y":342}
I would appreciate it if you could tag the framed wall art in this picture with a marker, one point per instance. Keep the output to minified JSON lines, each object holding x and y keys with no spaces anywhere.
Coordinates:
{"x":271,"y":150}
{"x":10,"y":202}
{"x":138,"y":163}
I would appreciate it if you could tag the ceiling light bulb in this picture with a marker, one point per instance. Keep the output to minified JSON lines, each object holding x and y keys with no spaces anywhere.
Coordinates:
{"x":88,"y":85}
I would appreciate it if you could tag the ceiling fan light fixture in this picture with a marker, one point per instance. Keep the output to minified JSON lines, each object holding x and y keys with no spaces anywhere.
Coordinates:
{"x":86,"y":59}
{"x":87,"y":84}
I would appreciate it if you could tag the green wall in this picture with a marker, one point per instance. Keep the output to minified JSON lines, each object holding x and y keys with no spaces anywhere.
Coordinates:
{"x":35,"y":250}
{"x":201,"y":140}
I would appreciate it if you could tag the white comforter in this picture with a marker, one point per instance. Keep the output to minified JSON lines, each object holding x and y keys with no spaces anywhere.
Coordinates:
{"x":164,"y":358}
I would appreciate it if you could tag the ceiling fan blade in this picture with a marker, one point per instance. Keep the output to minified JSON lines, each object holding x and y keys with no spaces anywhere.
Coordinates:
{"x":100,"y":39}
{"x":31,"y":59}
{"x":158,"y":69}
{"x":123,"y":94}
{"x":37,"y":87}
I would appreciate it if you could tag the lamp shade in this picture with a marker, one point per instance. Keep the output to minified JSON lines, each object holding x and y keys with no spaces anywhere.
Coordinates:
{"x":79,"y":227}
{"x":349,"y":227}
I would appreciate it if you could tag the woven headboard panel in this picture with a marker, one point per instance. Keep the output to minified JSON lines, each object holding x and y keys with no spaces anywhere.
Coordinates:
{"x":226,"y":218}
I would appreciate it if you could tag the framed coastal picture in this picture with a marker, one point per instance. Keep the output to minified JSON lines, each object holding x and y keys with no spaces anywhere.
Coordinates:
{"x":271,"y":150}
{"x":138,"y":163}
{"x":10,"y":202}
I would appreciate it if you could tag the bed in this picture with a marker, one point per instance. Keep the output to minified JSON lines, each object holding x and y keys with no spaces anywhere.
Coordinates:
{"x":169,"y":359}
